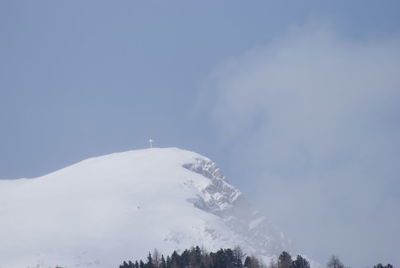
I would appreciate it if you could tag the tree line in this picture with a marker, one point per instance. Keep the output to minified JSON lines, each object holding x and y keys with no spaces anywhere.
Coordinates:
{"x":225,"y":258}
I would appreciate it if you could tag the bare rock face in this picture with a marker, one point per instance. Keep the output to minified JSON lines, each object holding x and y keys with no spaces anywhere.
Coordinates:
{"x":225,"y":201}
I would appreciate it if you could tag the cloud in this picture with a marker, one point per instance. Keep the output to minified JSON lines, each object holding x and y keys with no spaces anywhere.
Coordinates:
{"x":312,"y":121}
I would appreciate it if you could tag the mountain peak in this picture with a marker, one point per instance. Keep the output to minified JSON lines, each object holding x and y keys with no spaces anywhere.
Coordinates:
{"x":114,"y":207}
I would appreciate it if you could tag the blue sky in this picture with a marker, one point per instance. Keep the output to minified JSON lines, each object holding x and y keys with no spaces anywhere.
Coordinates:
{"x":237,"y":81}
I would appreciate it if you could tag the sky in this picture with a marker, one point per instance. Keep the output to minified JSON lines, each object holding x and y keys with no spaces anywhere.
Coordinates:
{"x":296,"y":101}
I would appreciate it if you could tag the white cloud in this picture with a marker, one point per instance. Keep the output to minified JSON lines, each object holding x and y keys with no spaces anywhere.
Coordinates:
{"x":314,"y":120}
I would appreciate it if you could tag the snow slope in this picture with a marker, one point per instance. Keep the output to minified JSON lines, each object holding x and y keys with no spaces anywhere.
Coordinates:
{"x":107,"y":209}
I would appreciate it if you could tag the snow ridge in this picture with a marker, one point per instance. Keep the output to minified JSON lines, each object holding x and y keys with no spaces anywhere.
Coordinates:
{"x":116,"y":207}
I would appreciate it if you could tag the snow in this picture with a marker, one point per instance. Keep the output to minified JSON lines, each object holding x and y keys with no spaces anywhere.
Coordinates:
{"x":103,"y":210}
{"x":256,"y":222}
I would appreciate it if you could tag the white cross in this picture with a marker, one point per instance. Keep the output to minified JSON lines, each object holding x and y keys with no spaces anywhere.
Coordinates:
{"x":151,"y":142}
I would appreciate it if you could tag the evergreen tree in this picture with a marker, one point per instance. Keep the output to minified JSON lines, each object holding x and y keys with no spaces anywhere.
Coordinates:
{"x":206,"y":258}
{"x":300,"y":262}
{"x":195,"y":257}
{"x":251,"y":262}
{"x":334,"y":262}
{"x":185,"y":259}
{"x":247,"y":262}
{"x":149,"y":263}
{"x":163,"y":264}
{"x":379,"y":265}
{"x":168,"y":262}
{"x":175,"y":260}
{"x":220,"y":259}
{"x":285,"y":260}
{"x":229,"y":258}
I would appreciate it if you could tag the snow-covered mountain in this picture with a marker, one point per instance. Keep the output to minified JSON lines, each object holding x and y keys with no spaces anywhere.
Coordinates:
{"x":116,"y":207}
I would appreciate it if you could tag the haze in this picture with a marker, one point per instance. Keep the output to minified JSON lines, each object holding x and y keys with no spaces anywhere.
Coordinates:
{"x":296,"y":101}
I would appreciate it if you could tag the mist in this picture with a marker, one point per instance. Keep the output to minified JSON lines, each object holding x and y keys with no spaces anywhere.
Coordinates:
{"x":310,"y":123}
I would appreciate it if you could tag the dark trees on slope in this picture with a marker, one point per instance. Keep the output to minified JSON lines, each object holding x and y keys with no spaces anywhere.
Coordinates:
{"x":196,"y":258}
{"x":285,"y":260}
{"x":225,"y":258}
{"x":300,"y":262}
{"x":379,"y":265}
{"x":334,"y":262}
